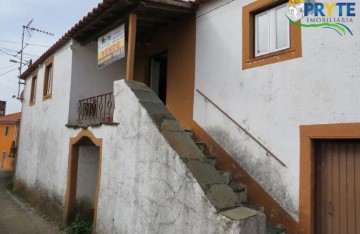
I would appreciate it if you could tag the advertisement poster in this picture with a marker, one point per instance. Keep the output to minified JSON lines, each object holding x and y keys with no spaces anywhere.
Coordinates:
{"x":111,"y":47}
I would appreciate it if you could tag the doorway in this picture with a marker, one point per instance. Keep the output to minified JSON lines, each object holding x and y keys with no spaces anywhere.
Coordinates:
{"x":158,"y":75}
{"x":337,"y":186}
{"x":83,"y":183}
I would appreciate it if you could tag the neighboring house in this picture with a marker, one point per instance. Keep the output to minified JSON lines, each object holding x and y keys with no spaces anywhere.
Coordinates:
{"x":277,"y":110}
{"x":9,"y":134}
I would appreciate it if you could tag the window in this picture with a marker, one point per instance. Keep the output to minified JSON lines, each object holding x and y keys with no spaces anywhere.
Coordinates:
{"x":268,"y":36}
{"x":7,"y":131}
{"x":33,"y":90}
{"x":272,"y":30}
{"x":48,"y":80}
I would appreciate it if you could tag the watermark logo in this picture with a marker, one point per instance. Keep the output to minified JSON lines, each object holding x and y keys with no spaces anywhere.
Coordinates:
{"x":332,"y":15}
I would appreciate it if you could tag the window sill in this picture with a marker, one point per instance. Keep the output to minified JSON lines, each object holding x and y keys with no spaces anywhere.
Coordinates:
{"x":47,"y":97}
{"x":271,"y":58}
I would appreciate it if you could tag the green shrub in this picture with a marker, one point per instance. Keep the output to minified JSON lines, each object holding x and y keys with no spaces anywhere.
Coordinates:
{"x":80,"y":225}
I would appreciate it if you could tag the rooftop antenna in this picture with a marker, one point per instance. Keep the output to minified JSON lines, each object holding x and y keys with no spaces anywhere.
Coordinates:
{"x":29,"y":31}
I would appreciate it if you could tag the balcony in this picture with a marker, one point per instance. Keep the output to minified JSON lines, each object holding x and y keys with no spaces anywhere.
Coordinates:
{"x":95,"y":111}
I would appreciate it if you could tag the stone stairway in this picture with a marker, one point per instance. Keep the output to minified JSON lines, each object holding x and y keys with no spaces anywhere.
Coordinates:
{"x":239,"y":189}
{"x":226,"y":197}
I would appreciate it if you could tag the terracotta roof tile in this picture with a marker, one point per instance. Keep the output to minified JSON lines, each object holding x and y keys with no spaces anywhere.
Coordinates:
{"x":101,"y":7}
{"x":96,"y":12}
{"x":11,"y":117}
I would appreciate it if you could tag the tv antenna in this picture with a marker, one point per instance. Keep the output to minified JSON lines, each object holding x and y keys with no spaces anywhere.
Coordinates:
{"x":29,"y":31}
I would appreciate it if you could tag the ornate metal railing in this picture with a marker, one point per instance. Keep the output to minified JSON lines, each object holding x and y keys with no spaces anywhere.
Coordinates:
{"x":97,"y":109}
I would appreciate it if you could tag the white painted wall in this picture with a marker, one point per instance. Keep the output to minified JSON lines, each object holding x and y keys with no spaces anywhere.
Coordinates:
{"x":89,"y":81}
{"x":87,"y":174}
{"x":272,"y":101}
{"x":44,"y":139}
{"x":145,"y":187}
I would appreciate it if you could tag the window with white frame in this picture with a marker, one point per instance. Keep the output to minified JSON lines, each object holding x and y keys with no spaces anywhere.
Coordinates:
{"x":272,"y":30}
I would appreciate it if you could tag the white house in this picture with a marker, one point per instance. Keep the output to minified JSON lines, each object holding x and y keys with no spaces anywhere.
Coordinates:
{"x":274,"y":102}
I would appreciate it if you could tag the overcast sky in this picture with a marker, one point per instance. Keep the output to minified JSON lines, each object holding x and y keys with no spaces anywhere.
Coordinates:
{"x":55,"y":16}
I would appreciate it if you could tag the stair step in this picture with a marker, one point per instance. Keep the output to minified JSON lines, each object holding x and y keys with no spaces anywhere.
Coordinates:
{"x":201,"y":145}
{"x":226,"y":175}
{"x":211,"y":161}
{"x":222,"y":197}
{"x":241,"y":191}
{"x":239,"y":213}
{"x":254,"y":207}
{"x":209,"y":156}
{"x":274,"y":230}
{"x":189,"y":132}
{"x":238,"y":187}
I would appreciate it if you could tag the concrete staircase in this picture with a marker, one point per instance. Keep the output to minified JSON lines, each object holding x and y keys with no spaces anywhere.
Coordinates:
{"x":239,"y":189}
{"x":228,"y":198}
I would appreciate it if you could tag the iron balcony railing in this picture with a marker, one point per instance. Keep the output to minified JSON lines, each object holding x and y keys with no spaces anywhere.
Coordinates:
{"x":97,"y":109}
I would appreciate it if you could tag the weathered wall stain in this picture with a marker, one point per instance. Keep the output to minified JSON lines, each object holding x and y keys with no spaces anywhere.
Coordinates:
{"x":262,"y":169}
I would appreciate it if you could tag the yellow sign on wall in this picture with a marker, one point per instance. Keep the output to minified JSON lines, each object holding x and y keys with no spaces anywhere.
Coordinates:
{"x":111,"y":47}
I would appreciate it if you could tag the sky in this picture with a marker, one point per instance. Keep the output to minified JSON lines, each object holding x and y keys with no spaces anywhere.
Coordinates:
{"x":55,"y":16}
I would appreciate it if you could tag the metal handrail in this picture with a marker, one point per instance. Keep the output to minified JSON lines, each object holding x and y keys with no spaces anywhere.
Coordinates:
{"x":268,"y":152}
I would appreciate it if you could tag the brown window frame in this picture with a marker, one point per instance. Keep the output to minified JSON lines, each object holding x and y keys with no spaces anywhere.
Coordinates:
{"x":33,"y":89}
{"x":248,"y":57}
{"x":48,"y":65}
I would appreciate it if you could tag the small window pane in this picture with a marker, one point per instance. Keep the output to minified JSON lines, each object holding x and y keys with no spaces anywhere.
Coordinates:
{"x":49,"y":80}
{"x":34,"y":89}
{"x":282,"y":28}
{"x":262,"y":33}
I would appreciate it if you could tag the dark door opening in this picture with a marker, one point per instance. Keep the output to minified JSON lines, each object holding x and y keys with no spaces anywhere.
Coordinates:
{"x":158,"y":75}
{"x":83,"y":179}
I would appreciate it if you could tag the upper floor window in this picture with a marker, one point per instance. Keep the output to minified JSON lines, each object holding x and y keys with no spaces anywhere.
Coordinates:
{"x":268,"y":36}
{"x":33,"y":90}
{"x":272,"y":30}
{"x":48,"y":80}
{"x":7,"y":131}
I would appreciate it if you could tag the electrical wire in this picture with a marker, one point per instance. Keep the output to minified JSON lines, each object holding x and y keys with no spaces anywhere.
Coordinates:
{"x":15,"y":42}
{"x":8,"y":71}
{"x":13,"y":65}
{"x":17,"y":52}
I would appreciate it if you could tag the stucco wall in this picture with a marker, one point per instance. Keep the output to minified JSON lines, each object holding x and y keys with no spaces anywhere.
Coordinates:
{"x":145,"y":187}
{"x":89,"y":81}
{"x":44,"y":139}
{"x":273,"y":100}
{"x":87,"y":175}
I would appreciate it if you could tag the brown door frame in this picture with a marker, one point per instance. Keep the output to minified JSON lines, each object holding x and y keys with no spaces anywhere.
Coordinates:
{"x":309,"y":133}
{"x":70,"y":200}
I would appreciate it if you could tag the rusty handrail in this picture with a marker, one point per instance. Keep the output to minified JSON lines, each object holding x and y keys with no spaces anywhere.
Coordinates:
{"x":268,"y":152}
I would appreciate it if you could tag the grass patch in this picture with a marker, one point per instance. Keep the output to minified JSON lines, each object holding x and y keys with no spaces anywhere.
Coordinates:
{"x":10,"y":186}
{"x":80,"y":225}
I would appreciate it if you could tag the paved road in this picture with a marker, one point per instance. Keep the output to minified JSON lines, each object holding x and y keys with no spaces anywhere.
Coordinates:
{"x":18,"y":217}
